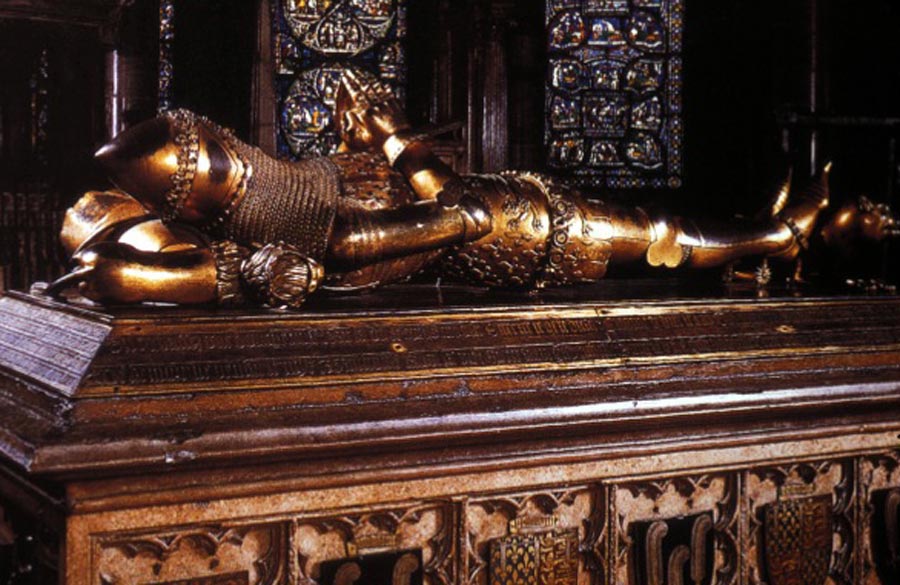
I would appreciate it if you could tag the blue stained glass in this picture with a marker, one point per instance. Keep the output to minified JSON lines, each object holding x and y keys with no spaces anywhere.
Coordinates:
{"x":622,"y":59}
{"x":606,"y":115}
{"x":315,"y":42}
{"x":567,"y":30}
{"x":606,"y":74}
{"x":646,"y":32}
{"x":647,"y":115}
{"x":565,"y":113}
{"x":567,"y":75}
{"x":606,"y":7}
{"x":606,"y":32}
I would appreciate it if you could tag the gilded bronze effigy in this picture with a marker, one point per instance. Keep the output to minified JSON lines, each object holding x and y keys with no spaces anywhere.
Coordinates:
{"x":201,"y":217}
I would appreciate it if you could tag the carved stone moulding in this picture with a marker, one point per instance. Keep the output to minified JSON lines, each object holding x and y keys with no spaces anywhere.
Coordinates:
{"x":407,"y":545}
{"x":675,"y":531}
{"x":800,"y":523}
{"x":879,"y":495}
{"x":254,"y":554}
{"x":401,"y":545}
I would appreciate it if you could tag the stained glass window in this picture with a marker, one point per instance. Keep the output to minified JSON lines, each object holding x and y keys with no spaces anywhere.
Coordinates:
{"x":614,"y":91}
{"x":316,"y":41}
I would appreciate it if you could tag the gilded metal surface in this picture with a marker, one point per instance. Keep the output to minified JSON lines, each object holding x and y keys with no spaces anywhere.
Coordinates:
{"x":117,"y":273}
{"x":279,"y":276}
{"x":579,"y":245}
{"x":95,"y":213}
{"x":197,"y":172}
{"x":513,"y":253}
{"x":549,"y":558}
{"x":181,"y":166}
{"x":860,"y":220}
{"x":369,"y":181}
{"x":350,"y":216}
{"x":187,"y":139}
{"x":293,"y":203}
{"x":229,"y":257}
{"x":394,"y":147}
{"x":798,"y":537}
{"x":370,"y":248}
{"x":368,"y":184}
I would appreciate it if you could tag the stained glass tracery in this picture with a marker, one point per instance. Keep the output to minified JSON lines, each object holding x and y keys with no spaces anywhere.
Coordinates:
{"x":316,"y":41}
{"x":614,"y":91}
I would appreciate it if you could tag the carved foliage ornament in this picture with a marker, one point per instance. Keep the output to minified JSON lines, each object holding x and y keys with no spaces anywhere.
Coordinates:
{"x":402,"y":546}
{"x":674,"y":551}
{"x":394,"y":568}
{"x":214,"y":555}
{"x":889,"y":518}
{"x":230,"y":579}
{"x":683,"y":530}
{"x":880,"y":523}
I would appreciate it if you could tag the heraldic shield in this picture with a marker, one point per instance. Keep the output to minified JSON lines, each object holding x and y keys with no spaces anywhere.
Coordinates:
{"x":549,"y":558}
{"x":798,"y":541}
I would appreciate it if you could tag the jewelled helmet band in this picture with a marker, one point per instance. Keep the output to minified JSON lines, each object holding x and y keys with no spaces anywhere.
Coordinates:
{"x":187,"y":138}
{"x":187,"y":129}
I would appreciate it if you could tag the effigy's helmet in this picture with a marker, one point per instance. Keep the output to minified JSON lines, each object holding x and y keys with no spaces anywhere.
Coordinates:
{"x":187,"y":169}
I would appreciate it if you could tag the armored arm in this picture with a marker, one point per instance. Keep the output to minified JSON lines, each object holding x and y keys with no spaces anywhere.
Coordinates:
{"x":370,"y":117}
{"x":124,"y":254}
